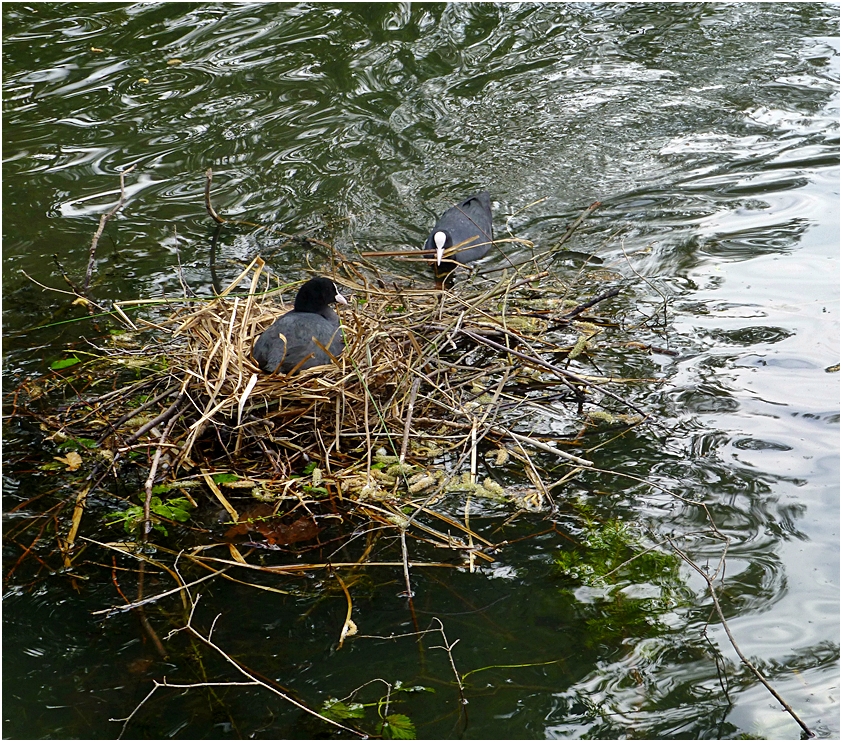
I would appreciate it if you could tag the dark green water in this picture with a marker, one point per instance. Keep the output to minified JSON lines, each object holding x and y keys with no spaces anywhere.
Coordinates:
{"x":710,"y":134}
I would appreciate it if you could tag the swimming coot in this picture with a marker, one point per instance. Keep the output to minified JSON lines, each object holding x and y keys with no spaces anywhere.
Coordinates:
{"x":467,"y":225}
{"x":290,"y":340}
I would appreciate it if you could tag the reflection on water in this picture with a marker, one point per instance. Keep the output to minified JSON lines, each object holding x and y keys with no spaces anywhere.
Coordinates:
{"x":709,"y":132}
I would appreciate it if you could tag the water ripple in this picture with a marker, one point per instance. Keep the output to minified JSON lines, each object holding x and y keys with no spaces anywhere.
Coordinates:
{"x":714,"y":153}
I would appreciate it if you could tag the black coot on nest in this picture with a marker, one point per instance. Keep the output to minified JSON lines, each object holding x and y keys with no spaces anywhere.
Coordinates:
{"x":290,"y":340}
{"x":466,"y":225}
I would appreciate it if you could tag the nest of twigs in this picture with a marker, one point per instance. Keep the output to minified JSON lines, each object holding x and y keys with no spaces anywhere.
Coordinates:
{"x":422,"y":372}
{"x":438,"y":392}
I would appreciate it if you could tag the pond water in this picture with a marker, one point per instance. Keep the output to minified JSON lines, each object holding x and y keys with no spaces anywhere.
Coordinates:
{"x":708,"y":132}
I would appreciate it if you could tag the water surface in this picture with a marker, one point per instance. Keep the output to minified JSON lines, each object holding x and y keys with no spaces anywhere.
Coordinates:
{"x":709,"y":132}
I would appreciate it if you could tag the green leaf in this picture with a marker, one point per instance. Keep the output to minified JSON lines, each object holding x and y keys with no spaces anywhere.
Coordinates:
{"x":309,"y":468}
{"x":378,"y":465}
{"x":131,"y":517}
{"x":315,"y":490}
{"x":399,"y":726}
{"x":172,"y":513}
{"x":182,"y":503}
{"x":65,"y":363}
{"x":225,"y":478}
{"x":176,"y":509}
{"x":418,"y":689}
{"x":338,"y":710}
{"x":78,"y":444}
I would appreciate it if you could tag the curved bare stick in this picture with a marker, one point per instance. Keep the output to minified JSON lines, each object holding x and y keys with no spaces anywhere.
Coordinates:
{"x":163,"y":417}
{"x":216,"y":217}
{"x":244,"y":671}
{"x":213,"y":215}
{"x":150,"y":480}
{"x":754,"y":671}
{"x":102,"y":220}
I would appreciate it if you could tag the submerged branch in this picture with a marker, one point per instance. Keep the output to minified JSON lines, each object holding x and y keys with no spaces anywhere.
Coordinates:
{"x":102,"y":221}
{"x":754,"y":671}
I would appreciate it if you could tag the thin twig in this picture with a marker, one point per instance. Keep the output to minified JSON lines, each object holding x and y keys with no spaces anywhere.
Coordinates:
{"x":208,"y":180}
{"x":588,"y":304}
{"x":102,"y":220}
{"x":405,"y":561}
{"x":410,"y":405}
{"x":163,"y":417}
{"x":573,"y":227}
{"x":150,"y":480}
{"x":449,"y":649}
{"x":242,"y":670}
{"x":754,"y":671}
{"x":112,"y":428}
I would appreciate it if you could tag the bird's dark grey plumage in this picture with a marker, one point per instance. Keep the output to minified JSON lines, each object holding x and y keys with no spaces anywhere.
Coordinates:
{"x":290,"y":339}
{"x":468,"y":222}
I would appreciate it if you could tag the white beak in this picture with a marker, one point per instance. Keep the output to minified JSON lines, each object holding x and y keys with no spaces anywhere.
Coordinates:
{"x":439,"y":238}
{"x":339,"y":298}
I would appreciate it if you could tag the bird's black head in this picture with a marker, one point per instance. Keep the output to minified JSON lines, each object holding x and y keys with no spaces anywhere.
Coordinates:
{"x":315,"y":295}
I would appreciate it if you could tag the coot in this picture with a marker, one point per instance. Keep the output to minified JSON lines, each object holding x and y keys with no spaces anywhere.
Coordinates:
{"x":290,"y":340}
{"x":467,"y":225}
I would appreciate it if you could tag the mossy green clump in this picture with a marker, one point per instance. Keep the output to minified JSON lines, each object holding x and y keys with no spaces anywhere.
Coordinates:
{"x":402,"y":470}
{"x":604,"y":417}
{"x":580,"y":347}
{"x":381,"y":456}
{"x":487,"y":488}
{"x":634,"y":585}
{"x":611,"y":552}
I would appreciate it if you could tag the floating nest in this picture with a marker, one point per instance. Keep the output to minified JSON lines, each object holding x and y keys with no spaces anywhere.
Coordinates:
{"x":467,"y":390}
